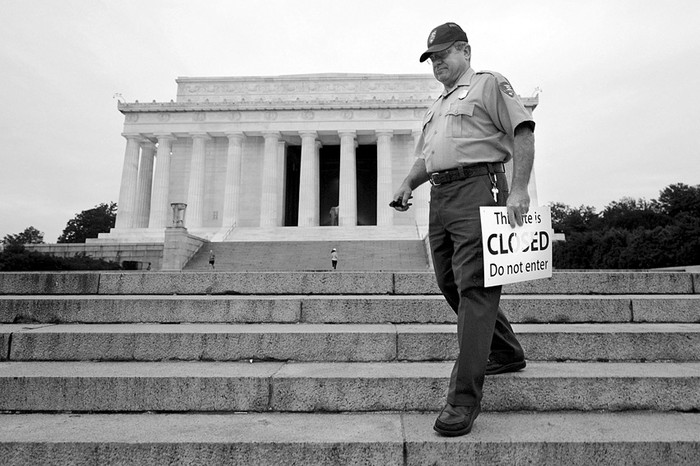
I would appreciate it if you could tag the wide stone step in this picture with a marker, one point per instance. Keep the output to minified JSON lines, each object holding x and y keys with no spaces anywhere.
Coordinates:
{"x":337,"y":387}
{"x":337,"y":342}
{"x":405,"y":252}
{"x":573,"y":438}
{"x":340,"y":309}
{"x":352,"y":283}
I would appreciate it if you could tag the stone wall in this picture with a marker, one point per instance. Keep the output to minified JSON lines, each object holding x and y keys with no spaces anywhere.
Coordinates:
{"x":142,"y":253}
{"x":178,"y":248}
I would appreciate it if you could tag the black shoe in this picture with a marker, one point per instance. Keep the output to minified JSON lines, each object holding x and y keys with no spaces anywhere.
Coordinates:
{"x":495,"y":367}
{"x":456,"y":420}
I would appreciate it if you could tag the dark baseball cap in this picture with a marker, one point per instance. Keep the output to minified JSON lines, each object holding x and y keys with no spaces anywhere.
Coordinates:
{"x":442,"y":37}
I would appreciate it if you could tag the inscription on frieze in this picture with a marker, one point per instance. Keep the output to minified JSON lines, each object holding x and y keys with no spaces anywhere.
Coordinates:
{"x":309,"y":88}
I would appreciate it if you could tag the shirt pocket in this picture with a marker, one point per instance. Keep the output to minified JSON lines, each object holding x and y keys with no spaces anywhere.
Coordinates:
{"x":459,"y":120}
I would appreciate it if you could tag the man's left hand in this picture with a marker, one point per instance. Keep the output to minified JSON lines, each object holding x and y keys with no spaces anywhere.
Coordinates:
{"x":518,"y":205}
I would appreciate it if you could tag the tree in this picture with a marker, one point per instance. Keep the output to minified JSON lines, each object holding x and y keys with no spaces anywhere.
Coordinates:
{"x":29,"y":236}
{"x":569,"y":220}
{"x":630,"y":214}
{"x":678,"y":198}
{"x":89,"y":223}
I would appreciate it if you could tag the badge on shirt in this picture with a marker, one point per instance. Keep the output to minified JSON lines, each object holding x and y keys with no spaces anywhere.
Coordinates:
{"x":463,"y":94}
{"x":506,"y":88}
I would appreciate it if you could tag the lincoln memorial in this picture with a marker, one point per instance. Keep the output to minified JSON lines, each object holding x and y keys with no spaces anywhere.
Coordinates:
{"x":299,"y":156}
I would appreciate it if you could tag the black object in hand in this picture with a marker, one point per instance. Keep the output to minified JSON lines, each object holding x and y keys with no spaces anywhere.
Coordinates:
{"x":396,"y":203}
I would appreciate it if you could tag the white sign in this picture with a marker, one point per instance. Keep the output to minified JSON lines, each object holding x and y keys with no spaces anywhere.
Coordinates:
{"x":516,"y":254}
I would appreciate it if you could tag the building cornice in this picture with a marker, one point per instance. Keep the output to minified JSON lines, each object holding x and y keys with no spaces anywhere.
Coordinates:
{"x":335,"y":104}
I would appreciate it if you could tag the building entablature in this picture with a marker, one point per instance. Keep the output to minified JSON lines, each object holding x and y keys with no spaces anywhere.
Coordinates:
{"x":326,"y":103}
{"x":181,"y":124}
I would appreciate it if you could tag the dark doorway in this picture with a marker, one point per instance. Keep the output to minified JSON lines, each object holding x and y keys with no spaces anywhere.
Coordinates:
{"x":291,"y":195}
{"x":366,"y":159}
{"x":367,"y":185}
{"x":329,"y":167}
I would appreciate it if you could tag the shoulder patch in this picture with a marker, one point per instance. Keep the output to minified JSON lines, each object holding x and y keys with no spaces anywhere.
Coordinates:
{"x":506,"y":88}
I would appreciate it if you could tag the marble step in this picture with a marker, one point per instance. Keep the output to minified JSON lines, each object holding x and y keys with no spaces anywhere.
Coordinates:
{"x":321,"y":234}
{"x":366,"y":255}
{"x":337,"y":342}
{"x":327,"y":283}
{"x":337,"y":387}
{"x":390,"y":439}
{"x":339,"y":309}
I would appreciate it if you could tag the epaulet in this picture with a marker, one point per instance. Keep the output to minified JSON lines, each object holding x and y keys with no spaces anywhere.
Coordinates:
{"x":503,"y":83}
{"x":492,"y":73}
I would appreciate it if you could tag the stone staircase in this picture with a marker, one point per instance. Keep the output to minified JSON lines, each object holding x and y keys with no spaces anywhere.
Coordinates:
{"x":340,"y":368}
{"x":374,"y":255}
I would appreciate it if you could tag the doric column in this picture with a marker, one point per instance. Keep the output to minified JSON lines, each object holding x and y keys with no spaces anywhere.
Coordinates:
{"x":195,"y":192}
{"x":145,"y":185}
{"x":309,"y":178}
{"x":126,"y":208}
{"x":160,"y":209}
{"x":421,"y":195}
{"x":347,"y":212}
{"x":385,"y":214}
{"x":270,"y":181}
{"x":232,"y":189}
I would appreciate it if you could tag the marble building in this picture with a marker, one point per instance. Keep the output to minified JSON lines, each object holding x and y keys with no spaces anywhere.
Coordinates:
{"x":287,"y":156}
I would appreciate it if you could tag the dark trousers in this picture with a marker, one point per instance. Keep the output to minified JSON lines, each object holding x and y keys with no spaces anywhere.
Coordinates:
{"x":483,"y":330}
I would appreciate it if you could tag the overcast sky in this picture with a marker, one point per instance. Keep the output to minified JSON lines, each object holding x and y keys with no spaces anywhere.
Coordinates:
{"x":618,"y":111}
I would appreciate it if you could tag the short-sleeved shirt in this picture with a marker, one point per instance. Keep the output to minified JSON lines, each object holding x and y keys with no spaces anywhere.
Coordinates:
{"x":474,"y":122}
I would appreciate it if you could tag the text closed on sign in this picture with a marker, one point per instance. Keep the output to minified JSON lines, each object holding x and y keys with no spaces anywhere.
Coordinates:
{"x":516,"y":254}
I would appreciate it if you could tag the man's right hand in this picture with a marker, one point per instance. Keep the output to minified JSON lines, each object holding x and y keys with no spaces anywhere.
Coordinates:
{"x":401,"y":197}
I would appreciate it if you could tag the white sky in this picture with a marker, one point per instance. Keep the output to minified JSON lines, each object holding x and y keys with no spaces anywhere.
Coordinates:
{"x":618,"y":112}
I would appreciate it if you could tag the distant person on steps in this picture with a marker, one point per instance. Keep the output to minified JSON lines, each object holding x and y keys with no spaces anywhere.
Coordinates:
{"x":334,"y":258}
{"x":212,"y":258}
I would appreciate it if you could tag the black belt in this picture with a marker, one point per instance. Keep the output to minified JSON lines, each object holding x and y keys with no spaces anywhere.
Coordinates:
{"x":466,"y":171}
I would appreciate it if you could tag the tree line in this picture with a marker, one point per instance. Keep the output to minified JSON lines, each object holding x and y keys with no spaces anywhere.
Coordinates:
{"x":630,"y":233}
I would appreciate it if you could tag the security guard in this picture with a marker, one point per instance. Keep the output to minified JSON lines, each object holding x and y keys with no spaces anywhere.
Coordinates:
{"x":476,"y":125}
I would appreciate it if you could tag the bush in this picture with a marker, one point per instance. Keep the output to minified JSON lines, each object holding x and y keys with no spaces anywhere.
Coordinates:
{"x":18,"y":259}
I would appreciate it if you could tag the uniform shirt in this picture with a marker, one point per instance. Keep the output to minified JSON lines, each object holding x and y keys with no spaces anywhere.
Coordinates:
{"x":474,"y":122}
